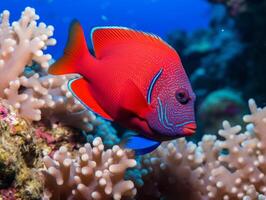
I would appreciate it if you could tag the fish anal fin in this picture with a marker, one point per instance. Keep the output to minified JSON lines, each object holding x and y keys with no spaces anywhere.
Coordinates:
{"x":141,"y":145}
{"x":80,"y":88}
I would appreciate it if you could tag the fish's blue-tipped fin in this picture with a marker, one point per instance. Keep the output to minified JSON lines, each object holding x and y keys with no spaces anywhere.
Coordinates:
{"x":81,"y":89}
{"x":141,"y":145}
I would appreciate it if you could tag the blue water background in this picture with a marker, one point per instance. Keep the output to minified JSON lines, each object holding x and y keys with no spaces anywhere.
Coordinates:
{"x":156,"y":16}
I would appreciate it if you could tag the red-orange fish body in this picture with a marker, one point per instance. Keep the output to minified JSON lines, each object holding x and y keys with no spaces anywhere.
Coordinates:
{"x":135,"y":79}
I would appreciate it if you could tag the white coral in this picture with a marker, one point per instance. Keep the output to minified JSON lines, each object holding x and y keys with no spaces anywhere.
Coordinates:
{"x":36,"y":95}
{"x":231,"y":168}
{"x":21,"y":44}
{"x":93,"y":174}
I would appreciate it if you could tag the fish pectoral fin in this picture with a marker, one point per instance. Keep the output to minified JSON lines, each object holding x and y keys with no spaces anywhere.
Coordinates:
{"x":141,"y":145}
{"x":80,"y":88}
{"x":132,"y":100}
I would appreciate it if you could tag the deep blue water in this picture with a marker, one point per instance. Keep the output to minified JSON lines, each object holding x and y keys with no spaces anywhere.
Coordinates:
{"x":157,"y":16}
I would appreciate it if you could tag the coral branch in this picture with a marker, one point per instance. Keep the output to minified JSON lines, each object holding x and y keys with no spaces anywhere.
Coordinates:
{"x":230,"y":168}
{"x":24,"y":80}
{"x":22,"y":43}
{"x":92,"y":174}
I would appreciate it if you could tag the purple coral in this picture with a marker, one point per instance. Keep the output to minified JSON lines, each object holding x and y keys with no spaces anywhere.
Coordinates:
{"x":3,"y":112}
{"x":8,"y":194}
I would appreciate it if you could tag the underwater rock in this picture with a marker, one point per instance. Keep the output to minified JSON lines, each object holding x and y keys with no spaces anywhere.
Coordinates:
{"x":7,"y":169}
{"x":19,"y":155}
{"x":234,"y":6}
{"x":22,"y":147}
{"x":220,"y":105}
{"x":251,"y":27}
{"x":90,"y":173}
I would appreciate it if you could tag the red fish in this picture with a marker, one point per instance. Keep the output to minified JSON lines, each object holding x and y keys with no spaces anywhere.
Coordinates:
{"x":135,"y":79}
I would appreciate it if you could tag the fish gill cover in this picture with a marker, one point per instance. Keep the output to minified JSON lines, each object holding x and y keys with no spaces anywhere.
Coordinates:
{"x":51,"y":147}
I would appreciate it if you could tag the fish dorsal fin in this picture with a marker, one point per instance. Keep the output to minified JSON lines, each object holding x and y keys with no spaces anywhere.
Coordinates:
{"x":104,"y":38}
{"x":80,"y":89}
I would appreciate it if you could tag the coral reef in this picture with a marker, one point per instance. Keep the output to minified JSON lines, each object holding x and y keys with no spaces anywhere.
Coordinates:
{"x":91,"y":174}
{"x":37,"y":96}
{"x":24,"y":80}
{"x":21,"y":44}
{"x":19,"y":155}
{"x":41,"y":150}
{"x":22,"y":147}
{"x":8,"y":194}
{"x":230,"y":168}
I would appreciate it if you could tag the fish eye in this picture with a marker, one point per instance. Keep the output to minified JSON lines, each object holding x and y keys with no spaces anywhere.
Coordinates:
{"x":182,"y":96}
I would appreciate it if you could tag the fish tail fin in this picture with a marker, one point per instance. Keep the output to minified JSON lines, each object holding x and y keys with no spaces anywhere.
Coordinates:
{"x":76,"y":53}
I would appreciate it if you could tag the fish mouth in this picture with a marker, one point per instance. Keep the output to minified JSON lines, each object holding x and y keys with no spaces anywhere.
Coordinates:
{"x":189,"y":128}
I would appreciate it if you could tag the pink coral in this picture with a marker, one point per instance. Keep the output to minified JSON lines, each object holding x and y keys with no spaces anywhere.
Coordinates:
{"x":36,"y":95}
{"x":231,"y":168}
{"x":92,"y":174}
{"x":8,"y":194}
{"x":3,"y":112}
{"x":40,"y":133}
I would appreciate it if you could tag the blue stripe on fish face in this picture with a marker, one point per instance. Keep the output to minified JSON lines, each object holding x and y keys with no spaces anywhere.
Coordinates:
{"x":166,"y":118}
{"x":164,"y":121}
{"x":162,"y":115}
{"x":152,"y":84}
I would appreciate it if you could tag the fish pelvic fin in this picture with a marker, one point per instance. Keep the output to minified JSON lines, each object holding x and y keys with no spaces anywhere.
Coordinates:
{"x":140,"y":144}
{"x":76,"y":54}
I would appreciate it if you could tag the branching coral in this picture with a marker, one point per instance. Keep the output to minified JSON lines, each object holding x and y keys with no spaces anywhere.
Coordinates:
{"x":92,"y":174}
{"x":230,"y":168}
{"x":37,"y":95}
{"x":22,"y":43}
